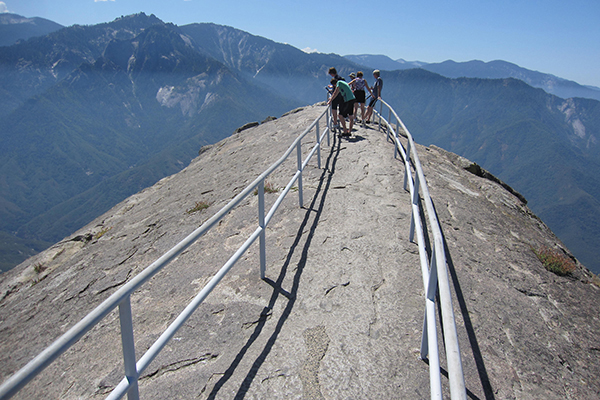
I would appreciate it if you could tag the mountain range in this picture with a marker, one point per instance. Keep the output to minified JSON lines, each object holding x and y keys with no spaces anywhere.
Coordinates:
{"x":93,"y":114}
{"x":497,"y":69}
{"x":543,"y":146}
{"x":105,"y":111}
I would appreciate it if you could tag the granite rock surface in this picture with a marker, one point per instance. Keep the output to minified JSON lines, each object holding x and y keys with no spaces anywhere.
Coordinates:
{"x":340,"y":314}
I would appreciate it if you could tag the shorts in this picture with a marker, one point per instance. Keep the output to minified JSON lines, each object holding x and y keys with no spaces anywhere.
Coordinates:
{"x":337,"y":102}
{"x":347,"y":108}
{"x":360,"y":96}
{"x":372,"y":102}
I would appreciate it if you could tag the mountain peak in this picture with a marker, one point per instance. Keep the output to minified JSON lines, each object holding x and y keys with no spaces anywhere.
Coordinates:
{"x":140,"y":17}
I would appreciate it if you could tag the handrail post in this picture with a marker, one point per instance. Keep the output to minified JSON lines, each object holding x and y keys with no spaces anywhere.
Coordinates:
{"x":406,"y":172}
{"x":299,"y":153}
{"x":318,"y":145}
{"x":411,"y":235}
{"x":432,"y":284}
{"x":328,"y":126}
{"x":424,"y":337}
{"x":261,"y":223}
{"x":128,"y":343}
{"x":415,"y":202}
{"x":395,"y":139}
{"x":379,"y":115}
{"x":389,"y":122}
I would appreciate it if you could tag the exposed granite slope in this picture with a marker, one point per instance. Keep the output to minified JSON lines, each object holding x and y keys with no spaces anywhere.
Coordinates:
{"x":341,"y":313}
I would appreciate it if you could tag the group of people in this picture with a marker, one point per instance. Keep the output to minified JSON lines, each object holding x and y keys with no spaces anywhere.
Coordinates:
{"x":347,"y":96}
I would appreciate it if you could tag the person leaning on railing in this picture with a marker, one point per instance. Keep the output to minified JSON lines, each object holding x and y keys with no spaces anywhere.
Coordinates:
{"x":342,"y":89}
{"x":337,"y":100}
{"x":375,"y":94}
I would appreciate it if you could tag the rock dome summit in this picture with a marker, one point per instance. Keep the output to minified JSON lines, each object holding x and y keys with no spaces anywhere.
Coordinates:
{"x":340,"y":314}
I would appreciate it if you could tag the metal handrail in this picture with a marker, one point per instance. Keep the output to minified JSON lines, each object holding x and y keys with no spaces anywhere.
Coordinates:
{"x":435,"y":273}
{"x":121,"y":298}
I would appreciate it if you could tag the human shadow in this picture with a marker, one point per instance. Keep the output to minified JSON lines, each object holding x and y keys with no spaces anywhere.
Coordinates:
{"x":314,"y":214}
{"x":355,"y":139}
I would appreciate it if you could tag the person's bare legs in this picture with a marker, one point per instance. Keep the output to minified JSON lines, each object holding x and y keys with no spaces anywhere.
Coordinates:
{"x":369,"y":113}
{"x":351,"y":123}
{"x":362,"y":113}
{"x":343,"y":123}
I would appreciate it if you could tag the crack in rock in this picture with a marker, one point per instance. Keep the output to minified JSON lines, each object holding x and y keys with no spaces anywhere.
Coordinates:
{"x":531,"y":293}
{"x":179,"y":365}
{"x":116,"y":284}
{"x":80,"y":292}
{"x":278,"y":374}
{"x":336,"y":285}
{"x":374,"y":323}
{"x":131,"y":254}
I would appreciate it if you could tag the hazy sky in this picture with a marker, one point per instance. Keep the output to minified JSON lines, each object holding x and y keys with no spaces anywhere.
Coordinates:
{"x":560,"y":37}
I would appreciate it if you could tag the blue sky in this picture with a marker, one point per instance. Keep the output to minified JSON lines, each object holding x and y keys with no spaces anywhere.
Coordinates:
{"x":553,"y":36}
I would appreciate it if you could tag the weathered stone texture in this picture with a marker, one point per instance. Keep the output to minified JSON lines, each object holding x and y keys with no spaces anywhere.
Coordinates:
{"x":341,"y":313}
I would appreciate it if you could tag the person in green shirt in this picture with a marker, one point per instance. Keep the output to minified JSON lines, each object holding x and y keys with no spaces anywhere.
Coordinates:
{"x":347,"y":109}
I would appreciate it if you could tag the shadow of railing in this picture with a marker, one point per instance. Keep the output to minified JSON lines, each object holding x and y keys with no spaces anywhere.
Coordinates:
{"x":474,"y":344}
{"x":433,"y":263}
{"x":121,"y":298}
{"x":312,"y":212}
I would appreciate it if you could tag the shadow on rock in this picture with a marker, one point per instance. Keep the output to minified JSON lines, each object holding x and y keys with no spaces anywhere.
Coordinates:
{"x":319,"y":197}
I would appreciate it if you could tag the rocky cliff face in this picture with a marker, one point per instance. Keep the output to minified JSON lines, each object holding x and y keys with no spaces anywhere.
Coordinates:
{"x":340,"y":315}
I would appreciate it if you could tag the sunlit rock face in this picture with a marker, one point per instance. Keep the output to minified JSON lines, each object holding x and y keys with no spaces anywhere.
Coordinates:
{"x":340,"y":314}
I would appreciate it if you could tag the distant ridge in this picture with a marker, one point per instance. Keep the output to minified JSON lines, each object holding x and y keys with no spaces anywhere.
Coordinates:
{"x":485,"y":70}
{"x":501,"y":69}
{"x":382,"y":62}
{"x":14,"y":27}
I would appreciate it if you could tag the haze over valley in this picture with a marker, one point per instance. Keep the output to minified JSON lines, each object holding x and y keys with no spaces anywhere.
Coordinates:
{"x":92,"y":114}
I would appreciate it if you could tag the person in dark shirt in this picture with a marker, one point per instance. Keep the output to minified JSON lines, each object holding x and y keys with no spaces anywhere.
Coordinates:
{"x":375,"y":94}
{"x":337,"y":100}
